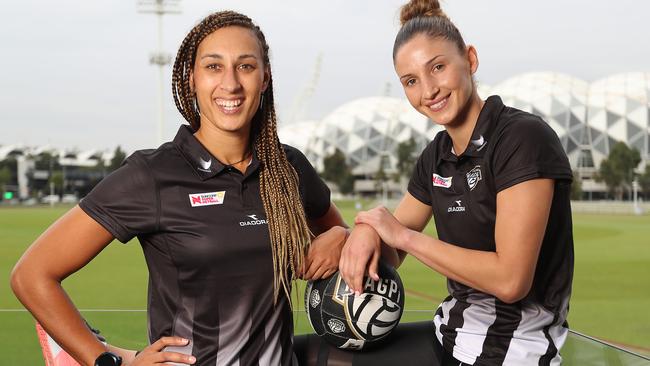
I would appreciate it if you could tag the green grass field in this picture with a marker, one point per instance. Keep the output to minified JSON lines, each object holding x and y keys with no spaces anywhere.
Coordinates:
{"x":611,"y":291}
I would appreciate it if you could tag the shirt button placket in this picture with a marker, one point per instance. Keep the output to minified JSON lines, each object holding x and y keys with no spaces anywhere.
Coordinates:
{"x":243,"y":188}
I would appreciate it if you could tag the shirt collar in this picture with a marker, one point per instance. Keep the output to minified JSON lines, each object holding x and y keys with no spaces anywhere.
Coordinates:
{"x":487,"y":121}
{"x":200,"y":159}
{"x":481,"y":135}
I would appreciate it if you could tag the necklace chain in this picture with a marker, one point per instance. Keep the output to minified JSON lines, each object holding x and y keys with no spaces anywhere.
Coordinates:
{"x":239,"y":161}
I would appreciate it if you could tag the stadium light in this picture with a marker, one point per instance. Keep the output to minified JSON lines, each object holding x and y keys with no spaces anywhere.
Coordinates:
{"x":159,"y":57}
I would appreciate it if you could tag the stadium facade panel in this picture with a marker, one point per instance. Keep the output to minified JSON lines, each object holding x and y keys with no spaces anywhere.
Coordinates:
{"x":559,"y":99}
{"x":619,"y":110}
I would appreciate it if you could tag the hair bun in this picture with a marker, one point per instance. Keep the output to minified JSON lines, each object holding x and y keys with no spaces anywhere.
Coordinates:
{"x":420,"y":8}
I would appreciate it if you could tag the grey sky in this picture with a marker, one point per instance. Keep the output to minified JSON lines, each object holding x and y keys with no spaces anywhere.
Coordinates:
{"x":76,"y":73}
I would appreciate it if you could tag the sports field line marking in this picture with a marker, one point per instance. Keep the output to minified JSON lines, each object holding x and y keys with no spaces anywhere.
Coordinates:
{"x":85,"y":310}
{"x":144,"y":311}
{"x":422,"y":296}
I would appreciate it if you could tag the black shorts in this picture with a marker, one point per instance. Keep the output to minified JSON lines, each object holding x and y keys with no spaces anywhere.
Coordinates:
{"x":410,"y":344}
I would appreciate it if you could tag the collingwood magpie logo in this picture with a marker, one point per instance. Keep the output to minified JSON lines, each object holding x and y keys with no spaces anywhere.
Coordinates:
{"x":457,"y":208}
{"x":205,"y":165}
{"x":473,"y":177}
{"x":336,"y":325}
{"x":253,"y":221}
{"x":314,"y":300}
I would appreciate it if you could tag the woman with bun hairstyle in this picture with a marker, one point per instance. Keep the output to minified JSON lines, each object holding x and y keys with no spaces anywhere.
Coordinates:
{"x":497,"y":184}
{"x":225,"y":215}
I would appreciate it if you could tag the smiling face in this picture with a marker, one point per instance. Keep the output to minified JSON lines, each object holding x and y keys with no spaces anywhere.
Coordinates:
{"x":228,"y":77}
{"x":437,"y":78}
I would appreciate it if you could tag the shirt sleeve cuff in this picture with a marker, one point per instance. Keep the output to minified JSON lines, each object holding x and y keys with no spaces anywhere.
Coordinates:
{"x":96,"y":213}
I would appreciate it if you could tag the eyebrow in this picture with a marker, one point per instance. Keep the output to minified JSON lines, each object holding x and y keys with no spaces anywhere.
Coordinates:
{"x":426,"y":63}
{"x":218,"y":56}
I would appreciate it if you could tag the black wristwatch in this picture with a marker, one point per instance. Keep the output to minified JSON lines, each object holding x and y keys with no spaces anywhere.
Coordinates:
{"x":108,"y":359}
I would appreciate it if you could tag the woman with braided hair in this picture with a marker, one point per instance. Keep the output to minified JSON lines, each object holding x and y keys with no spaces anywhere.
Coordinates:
{"x":225,"y":215}
{"x":497,"y":183}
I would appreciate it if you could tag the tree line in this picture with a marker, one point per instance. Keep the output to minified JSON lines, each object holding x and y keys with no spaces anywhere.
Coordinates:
{"x":337,"y":170}
{"x":617,"y":171}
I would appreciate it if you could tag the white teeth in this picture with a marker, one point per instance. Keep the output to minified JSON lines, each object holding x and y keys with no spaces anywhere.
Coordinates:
{"x":439,"y":104}
{"x":229,"y":103}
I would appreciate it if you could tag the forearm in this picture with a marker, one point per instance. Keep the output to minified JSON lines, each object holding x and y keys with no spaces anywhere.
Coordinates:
{"x":482,"y":270}
{"x":330,"y":219}
{"x":391,"y":255}
{"x":50,"y":305}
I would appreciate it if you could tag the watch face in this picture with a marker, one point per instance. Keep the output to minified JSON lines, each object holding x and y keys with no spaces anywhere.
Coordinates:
{"x":108,"y":359}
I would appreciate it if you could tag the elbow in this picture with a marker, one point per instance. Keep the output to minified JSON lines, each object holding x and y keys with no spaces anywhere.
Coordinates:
{"x":17,"y":281}
{"x":513,"y":291}
{"x":25,"y":281}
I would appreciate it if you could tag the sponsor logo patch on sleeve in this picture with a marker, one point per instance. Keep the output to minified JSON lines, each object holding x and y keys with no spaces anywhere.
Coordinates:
{"x":439,"y":181}
{"x":207,"y":199}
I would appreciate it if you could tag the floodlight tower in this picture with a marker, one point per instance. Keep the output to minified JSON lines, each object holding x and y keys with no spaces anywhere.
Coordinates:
{"x":159,"y":57}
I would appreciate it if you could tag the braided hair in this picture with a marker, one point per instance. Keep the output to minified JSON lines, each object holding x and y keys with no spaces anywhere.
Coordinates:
{"x":287,"y":223}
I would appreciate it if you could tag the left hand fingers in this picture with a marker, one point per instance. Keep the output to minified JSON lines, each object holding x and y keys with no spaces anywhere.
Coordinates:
{"x":374,"y":214}
{"x":329,"y":272}
{"x":320,"y":272}
{"x":366,"y":218}
{"x":309,"y":273}
{"x":318,"y":268}
{"x":306,"y":264}
{"x":323,"y":273}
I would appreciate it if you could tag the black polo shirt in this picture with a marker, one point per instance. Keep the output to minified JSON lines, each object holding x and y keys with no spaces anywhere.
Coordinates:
{"x":205,"y":238}
{"x":507,"y":147}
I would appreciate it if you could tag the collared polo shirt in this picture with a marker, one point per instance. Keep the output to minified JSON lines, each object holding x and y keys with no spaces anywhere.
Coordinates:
{"x":204,"y":234}
{"x":507,"y":147}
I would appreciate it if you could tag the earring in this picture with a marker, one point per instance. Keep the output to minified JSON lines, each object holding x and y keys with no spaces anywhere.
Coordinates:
{"x":262,"y":101}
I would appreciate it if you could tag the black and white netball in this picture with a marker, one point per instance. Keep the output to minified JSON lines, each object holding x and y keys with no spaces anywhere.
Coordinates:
{"x":355,"y":322}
